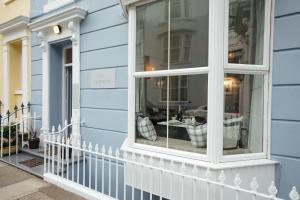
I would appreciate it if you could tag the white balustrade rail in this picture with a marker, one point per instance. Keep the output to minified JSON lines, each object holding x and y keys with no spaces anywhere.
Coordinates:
{"x":21,"y":127}
{"x":101,"y":174}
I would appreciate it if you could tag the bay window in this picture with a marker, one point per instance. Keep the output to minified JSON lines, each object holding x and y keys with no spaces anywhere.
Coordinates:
{"x":186,"y":96}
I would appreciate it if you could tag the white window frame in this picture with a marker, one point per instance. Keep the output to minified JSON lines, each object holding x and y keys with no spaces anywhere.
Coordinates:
{"x":64,"y":86}
{"x":217,"y":66}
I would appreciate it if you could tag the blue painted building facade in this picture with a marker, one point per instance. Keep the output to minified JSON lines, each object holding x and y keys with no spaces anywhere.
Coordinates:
{"x":286,"y":94}
{"x":103,"y":36}
{"x":104,"y":111}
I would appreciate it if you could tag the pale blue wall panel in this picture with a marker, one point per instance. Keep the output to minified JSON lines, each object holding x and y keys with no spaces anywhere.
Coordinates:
{"x":114,"y":36}
{"x":286,"y":68}
{"x":286,"y":103}
{"x":36,"y":97}
{"x":110,"y":57}
{"x":34,"y":39}
{"x":286,"y":32}
{"x":287,"y":173}
{"x":36,"y":53}
{"x":104,"y":98}
{"x":286,"y":96}
{"x":36,"y":7}
{"x":285,"y":138}
{"x":105,"y":18}
{"x":36,"y":82}
{"x":36,"y":67}
{"x":103,"y":137}
{"x":286,"y":7}
{"x":94,"y":5}
{"x":36,"y":108}
{"x":121,"y":78}
{"x":105,"y":119}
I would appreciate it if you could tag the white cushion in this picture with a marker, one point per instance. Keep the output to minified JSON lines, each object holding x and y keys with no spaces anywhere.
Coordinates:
{"x":146,"y":128}
{"x":232,"y":129}
{"x":198,"y":135}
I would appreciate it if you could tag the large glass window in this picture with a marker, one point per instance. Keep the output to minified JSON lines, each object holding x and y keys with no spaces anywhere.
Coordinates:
{"x":244,"y":92}
{"x":246,"y":31}
{"x":243,"y":113}
{"x":171,"y":110}
{"x":175,"y":82}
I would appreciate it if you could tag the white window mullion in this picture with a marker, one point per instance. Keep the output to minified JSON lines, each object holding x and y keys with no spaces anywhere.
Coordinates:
{"x":131,"y":70}
{"x":168,"y":78}
{"x":216,"y":80}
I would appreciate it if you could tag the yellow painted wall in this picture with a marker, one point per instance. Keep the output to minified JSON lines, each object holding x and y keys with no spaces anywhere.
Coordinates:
{"x":10,"y":9}
{"x":15,"y":77}
{"x":1,"y":69}
{"x":13,"y":9}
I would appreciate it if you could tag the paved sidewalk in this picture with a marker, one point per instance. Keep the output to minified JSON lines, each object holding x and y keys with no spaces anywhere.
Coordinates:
{"x":16,"y":184}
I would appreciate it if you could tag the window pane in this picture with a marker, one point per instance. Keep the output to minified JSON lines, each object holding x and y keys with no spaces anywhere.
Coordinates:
{"x":68,"y":56}
{"x":187,"y":130}
{"x":189,"y":34}
{"x":243,"y":117}
{"x":246,"y":31}
{"x":188,"y":114}
{"x":150,"y":24}
{"x":151,"y":108}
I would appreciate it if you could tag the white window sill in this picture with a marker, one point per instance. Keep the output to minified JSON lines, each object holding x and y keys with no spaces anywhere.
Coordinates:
{"x":205,"y":164}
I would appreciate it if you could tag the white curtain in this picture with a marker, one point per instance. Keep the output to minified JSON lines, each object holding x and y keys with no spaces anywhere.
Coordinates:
{"x":256,"y":110}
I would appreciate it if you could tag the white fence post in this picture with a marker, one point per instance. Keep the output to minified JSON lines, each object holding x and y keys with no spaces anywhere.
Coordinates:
{"x":208,"y":176}
{"x":222,"y":179}
{"x":273,"y":190}
{"x":254,"y":187}
{"x":96,"y":166}
{"x":294,"y":195}
{"x":237,"y":182}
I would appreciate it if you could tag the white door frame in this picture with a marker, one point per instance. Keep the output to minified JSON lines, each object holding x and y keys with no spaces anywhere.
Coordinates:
{"x":69,"y":19}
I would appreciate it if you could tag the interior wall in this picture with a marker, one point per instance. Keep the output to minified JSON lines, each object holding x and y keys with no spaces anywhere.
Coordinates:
{"x":15,"y":74}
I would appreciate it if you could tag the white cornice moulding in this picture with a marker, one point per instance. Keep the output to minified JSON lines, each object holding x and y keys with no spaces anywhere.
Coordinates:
{"x":52,"y":5}
{"x":126,"y":3}
{"x":72,"y":13}
{"x":13,"y":24}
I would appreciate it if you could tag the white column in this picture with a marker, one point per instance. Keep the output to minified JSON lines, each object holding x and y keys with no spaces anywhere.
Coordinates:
{"x":24,"y":71}
{"x":5,"y":77}
{"x":45,"y":82}
{"x":74,"y":26}
{"x":216,"y":80}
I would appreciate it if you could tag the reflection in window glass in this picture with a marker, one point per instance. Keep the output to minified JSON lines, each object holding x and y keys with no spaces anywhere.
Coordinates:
{"x":188,"y":119}
{"x":150,"y":111}
{"x":149,"y":20}
{"x":189,"y":34}
{"x":186,"y":128}
{"x":246,"y":31}
{"x":243,"y":117}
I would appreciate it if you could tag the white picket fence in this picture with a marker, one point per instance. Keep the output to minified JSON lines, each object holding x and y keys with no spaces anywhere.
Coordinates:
{"x":103,"y":174}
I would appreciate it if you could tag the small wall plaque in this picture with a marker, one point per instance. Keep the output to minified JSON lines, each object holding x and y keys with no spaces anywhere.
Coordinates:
{"x":103,"y":78}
